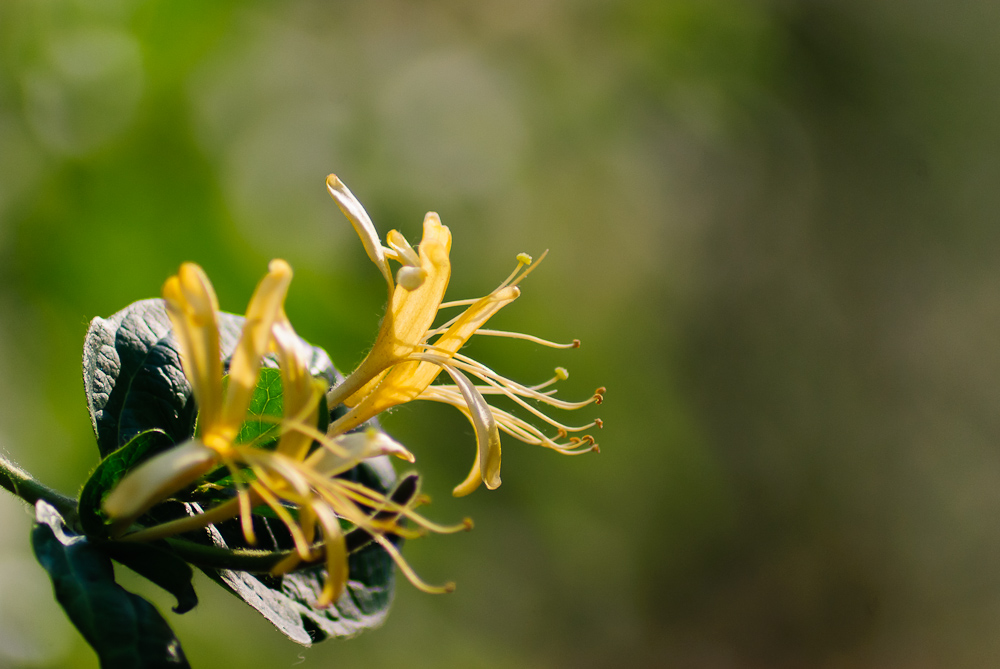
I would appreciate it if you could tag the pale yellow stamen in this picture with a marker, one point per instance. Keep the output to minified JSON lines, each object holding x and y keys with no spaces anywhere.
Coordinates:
{"x":527,"y":337}
{"x":407,"y":570}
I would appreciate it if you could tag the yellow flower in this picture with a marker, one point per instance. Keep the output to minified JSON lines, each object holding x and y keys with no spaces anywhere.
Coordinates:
{"x":409,"y":353}
{"x":288,"y":476}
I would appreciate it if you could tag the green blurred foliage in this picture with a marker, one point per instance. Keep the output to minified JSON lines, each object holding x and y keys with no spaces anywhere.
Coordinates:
{"x":772,"y":224}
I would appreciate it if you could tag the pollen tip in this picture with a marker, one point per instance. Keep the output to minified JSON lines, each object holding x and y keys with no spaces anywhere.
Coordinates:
{"x":467,"y":522}
{"x":524,"y":258}
{"x":596,"y":449}
{"x":576,"y":343}
{"x":562,"y":373}
{"x":599,"y":423}
{"x":448,"y":587}
{"x":422,"y":499}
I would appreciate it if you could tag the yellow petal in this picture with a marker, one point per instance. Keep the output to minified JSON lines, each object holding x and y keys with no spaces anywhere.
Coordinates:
{"x":487,"y":434}
{"x":264,"y":309}
{"x":300,"y":394}
{"x":192,"y":306}
{"x":411,"y":313}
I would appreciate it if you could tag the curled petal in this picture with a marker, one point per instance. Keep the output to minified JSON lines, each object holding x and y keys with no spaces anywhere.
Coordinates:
{"x":487,"y":434}
{"x":348,"y":450}
{"x":362,"y":223}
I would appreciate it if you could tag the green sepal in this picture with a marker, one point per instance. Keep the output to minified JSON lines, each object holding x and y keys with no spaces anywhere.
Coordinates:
{"x":125,"y":630}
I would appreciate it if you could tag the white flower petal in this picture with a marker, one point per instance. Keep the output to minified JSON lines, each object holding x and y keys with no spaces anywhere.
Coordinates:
{"x":362,"y":223}
{"x":156,"y":479}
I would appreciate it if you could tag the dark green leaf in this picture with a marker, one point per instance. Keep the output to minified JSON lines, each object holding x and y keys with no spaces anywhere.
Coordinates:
{"x":111,"y":470}
{"x":287,"y":601}
{"x":124,"y":629}
{"x":133,"y":377}
{"x":161,"y":567}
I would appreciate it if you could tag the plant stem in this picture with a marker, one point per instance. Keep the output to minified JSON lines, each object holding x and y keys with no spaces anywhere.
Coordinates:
{"x":28,"y":488}
{"x":255,"y":561}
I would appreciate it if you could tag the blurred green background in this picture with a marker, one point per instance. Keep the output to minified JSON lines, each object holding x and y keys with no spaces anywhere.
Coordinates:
{"x":772,"y":224}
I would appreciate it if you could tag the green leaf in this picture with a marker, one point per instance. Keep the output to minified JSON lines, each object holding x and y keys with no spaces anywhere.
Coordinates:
{"x":111,"y":469}
{"x":156,"y":564}
{"x":124,"y":629}
{"x":133,"y":377}
{"x":160,"y":566}
{"x":266,"y":403}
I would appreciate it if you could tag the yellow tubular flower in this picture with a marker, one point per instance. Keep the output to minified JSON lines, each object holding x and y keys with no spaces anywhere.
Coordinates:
{"x":288,"y":478}
{"x":409,"y":353}
{"x":193,"y":307}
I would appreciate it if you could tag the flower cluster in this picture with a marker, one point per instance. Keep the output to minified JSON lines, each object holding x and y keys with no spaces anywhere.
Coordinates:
{"x":409,"y":353}
{"x":299,"y":479}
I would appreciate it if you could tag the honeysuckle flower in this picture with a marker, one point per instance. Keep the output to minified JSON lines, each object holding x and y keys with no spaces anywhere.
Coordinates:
{"x":296,"y":475}
{"x":409,"y":353}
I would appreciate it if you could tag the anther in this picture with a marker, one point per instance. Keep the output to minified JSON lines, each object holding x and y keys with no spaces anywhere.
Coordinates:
{"x":576,"y":343}
{"x":468,"y":523}
{"x":524,"y":258}
{"x":562,"y":373}
{"x":600,"y":423}
{"x":410,"y":277}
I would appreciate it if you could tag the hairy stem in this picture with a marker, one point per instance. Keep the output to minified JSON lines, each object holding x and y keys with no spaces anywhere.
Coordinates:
{"x":28,"y":488}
